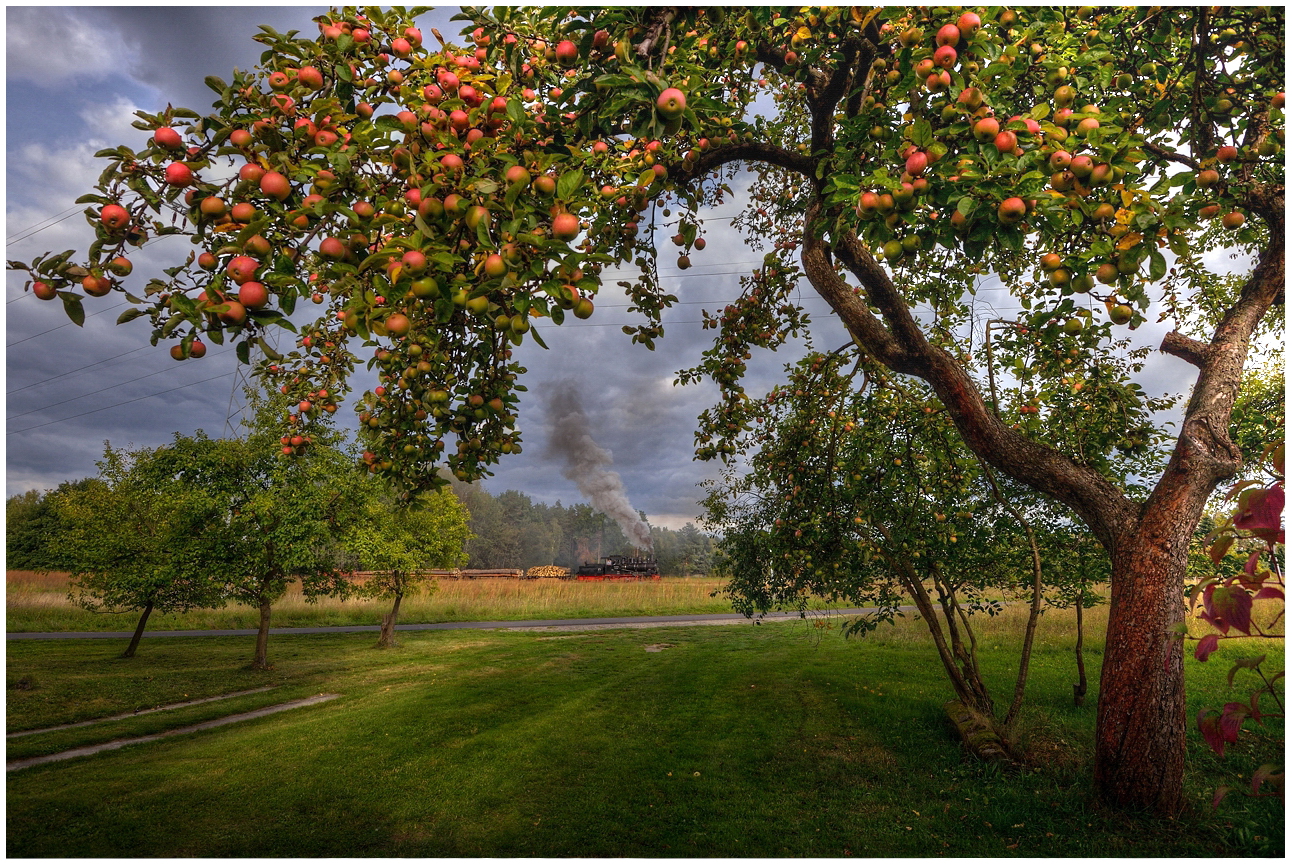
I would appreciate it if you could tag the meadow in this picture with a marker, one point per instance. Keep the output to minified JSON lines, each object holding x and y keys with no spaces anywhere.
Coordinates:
{"x":39,"y":602}
{"x":739,"y":740}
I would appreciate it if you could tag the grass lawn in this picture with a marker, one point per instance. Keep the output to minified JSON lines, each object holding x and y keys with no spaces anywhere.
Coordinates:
{"x":38,"y":602}
{"x":770,"y":741}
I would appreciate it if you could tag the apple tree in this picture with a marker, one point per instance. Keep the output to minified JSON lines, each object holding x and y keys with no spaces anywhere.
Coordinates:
{"x":440,"y":204}
{"x":134,"y":540}
{"x":285,"y":506}
{"x":398,"y":541}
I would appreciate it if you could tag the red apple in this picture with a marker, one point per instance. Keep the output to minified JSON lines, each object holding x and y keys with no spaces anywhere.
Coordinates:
{"x":311,"y":77}
{"x":178,"y":174}
{"x":275,"y":185}
{"x":242,"y":268}
{"x":114,"y":217}
{"x":567,"y":53}
{"x":948,"y":34}
{"x":44,"y":290}
{"x":671,"y":103}
{"x":565,"y":226}
{"x":1012,"y":210}
{"x":332,"y":247}
{"x":397,"y":325}
{"x":253,"y":295}
{"x":168,"y":138}
{"x":986,"y":129}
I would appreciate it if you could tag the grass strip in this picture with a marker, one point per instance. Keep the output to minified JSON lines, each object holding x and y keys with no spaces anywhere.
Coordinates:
{"x":139,"y":712}
{"x":87,"y":750}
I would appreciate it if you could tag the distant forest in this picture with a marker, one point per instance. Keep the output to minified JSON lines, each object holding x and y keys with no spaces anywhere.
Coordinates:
{"x":513,"y":531}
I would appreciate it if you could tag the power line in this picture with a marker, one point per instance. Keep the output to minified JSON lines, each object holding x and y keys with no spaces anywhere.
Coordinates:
{"x":118,"y":405}
{"x":33,"y":230}
{"x":101,"y":390}
{"x":98,"y":364}
{"x":61,"y":326}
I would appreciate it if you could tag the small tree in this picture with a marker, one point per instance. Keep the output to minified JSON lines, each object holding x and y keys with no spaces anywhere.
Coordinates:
{"x":400,"y":540}
{"x":133,"y":540}
{"x":283,"y":510}
{"x":864,"y":494}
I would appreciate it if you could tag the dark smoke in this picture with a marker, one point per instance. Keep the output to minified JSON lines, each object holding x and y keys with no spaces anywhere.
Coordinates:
{"x":587,"y":464}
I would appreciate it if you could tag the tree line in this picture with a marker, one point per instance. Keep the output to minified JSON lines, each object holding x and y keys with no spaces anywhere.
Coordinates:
{"x":512,"y":531}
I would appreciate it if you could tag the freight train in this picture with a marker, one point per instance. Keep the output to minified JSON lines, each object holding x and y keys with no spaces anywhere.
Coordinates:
{"x":619,"y":568}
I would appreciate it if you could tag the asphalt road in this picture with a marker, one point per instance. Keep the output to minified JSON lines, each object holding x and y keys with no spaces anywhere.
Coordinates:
{"x":623,"y":621}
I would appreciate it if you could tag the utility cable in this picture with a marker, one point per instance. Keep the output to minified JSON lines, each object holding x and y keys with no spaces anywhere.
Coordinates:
{"x":117,"y":405}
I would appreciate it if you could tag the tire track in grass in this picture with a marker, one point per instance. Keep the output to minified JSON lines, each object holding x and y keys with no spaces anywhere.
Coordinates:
{"x":193,"y":728}
{"x":139,"y":712}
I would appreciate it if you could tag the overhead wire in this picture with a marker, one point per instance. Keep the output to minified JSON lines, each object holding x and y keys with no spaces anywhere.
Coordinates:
{"x":119,"y":404}
{"x":102,"y":389}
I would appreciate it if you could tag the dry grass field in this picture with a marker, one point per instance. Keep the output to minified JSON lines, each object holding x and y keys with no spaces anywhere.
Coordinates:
{"x":39,"y":602}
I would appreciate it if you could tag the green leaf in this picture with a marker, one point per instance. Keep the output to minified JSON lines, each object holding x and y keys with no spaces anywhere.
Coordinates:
{"x":922,"y":133}
{"x":243,"y":351}
{"x":215,"y":83}
{"x":569,"y":183}
{"x":271,"y":316}
{"x":130,"y":315}
{"x":268,"y":349}
{"x":422,"y":226}
{"x":1156,"y":264}
{"x":533,"y":331}
{"x":1245,"y":664}
{"x":72,"y":306}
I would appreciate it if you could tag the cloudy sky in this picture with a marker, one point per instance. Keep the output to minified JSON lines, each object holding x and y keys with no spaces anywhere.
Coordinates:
{"x":75,"y":78}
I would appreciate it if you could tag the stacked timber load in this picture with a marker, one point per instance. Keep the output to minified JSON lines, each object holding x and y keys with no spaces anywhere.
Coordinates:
{"x":482,"y":573}
{"x":547,"y":571}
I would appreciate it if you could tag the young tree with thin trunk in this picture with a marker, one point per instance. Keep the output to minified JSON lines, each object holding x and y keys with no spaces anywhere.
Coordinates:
{"x":283,"y":516}
{"x":399,"y":541}
{"x":134,"y":541}
{"x":454,"y":201}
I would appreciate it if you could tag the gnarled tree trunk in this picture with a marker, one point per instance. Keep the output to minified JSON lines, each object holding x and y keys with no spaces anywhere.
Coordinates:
{"x":1140,"y":731}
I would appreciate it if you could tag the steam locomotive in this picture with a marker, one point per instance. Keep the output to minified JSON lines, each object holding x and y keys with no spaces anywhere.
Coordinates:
{"x":619,"y":568}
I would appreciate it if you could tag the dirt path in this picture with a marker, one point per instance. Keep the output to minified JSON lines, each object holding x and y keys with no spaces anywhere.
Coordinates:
{"x":205,"y":725}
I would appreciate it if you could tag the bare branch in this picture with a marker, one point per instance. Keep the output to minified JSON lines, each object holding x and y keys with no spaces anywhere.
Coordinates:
{"x":1185,"y":348}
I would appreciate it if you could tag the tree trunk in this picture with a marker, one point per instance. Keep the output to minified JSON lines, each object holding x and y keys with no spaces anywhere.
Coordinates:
{"x":139,"y":632}
{"x":262,"y":637}
{"x":1079,"y":689}
{"x":387,"y":639}
{"x":1140,"y":731}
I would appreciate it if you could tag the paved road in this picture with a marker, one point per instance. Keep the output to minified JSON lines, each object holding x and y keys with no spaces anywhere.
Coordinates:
{"x":564,"y":624}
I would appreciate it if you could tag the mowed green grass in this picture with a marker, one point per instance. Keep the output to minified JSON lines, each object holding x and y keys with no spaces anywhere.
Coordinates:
{"x":771,"y":741}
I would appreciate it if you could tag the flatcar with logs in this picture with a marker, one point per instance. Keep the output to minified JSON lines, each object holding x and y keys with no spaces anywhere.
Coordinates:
{"x":619,"y":568}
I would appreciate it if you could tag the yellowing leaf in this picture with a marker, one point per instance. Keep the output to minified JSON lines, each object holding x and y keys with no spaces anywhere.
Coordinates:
{"x":1130,"y":240}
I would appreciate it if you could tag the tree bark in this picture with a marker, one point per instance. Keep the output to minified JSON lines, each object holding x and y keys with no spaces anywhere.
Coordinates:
{"x":261,"y":661}
{"x":387,"y":639}
{"x":1140,"y":726}
{"x":139,"y":632}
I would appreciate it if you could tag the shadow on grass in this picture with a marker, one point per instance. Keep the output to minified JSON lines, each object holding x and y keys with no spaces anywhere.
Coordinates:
{"x":729,"y":741}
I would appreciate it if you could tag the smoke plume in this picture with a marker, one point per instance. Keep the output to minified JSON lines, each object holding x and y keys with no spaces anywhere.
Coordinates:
{"x":587,"y":464}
